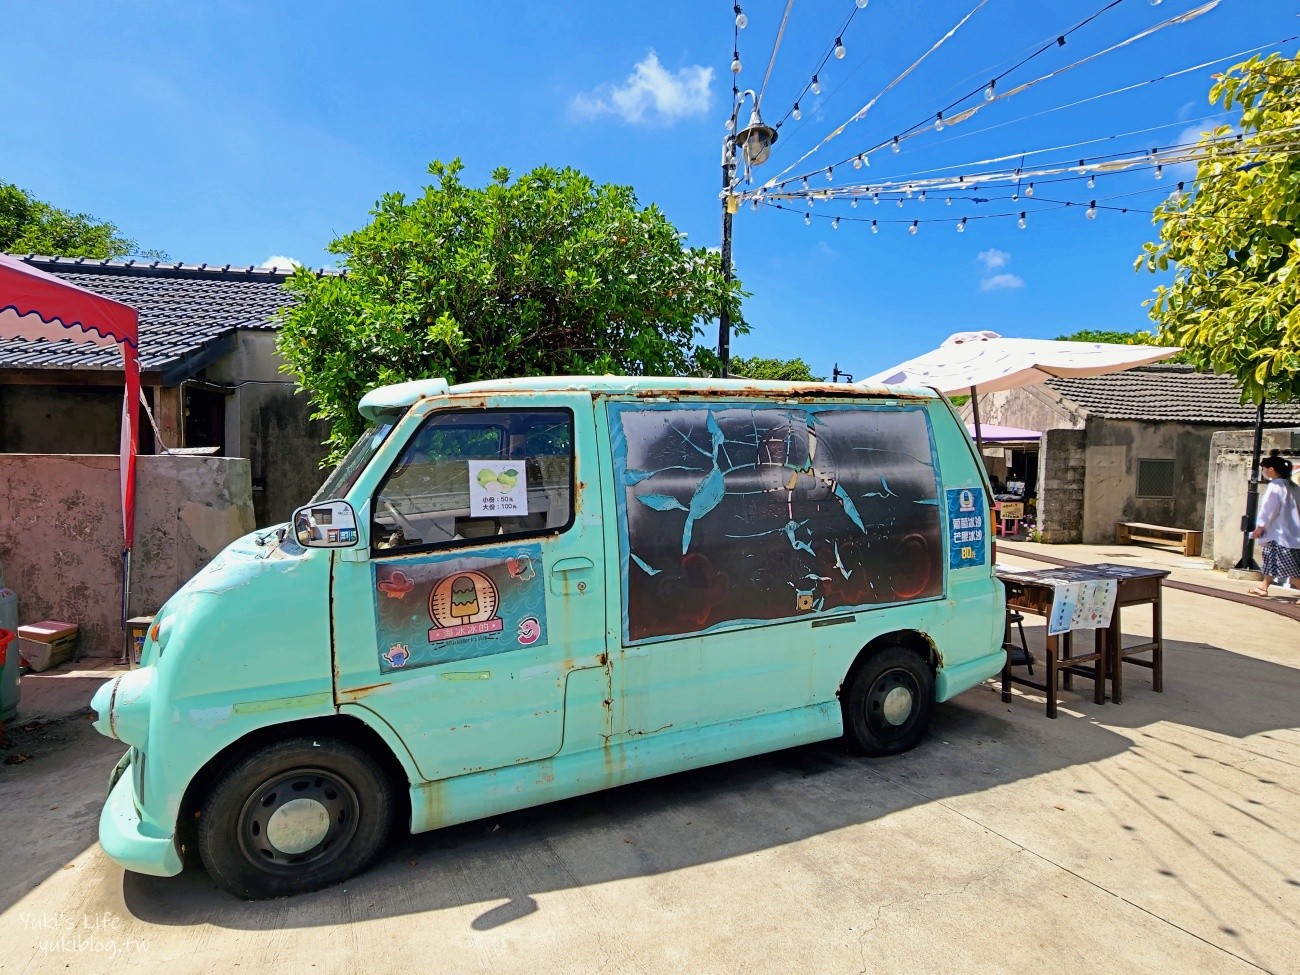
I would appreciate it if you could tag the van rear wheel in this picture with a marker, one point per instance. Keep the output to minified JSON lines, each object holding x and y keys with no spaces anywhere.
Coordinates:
{"x":887,"y":702}
{"x":294,"y":816}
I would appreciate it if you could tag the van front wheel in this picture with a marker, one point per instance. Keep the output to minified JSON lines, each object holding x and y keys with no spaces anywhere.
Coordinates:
{"x":294,"y":816}
{"x":887,"y":702}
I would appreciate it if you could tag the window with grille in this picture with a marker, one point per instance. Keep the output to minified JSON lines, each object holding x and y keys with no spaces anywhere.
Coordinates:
{"x":1155,"y":479}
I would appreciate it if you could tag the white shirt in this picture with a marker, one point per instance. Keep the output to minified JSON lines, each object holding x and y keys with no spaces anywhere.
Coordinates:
{"x":1279,"y":513}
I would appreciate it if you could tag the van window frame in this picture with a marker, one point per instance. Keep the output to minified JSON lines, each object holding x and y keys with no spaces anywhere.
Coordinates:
{"x":453,"y":544}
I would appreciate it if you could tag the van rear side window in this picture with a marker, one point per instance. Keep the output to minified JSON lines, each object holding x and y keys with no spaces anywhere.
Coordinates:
{"x":734,"y":515}
{"x":472,"y":476}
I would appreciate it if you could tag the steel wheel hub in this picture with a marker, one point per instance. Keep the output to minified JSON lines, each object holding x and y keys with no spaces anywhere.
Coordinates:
{"x":897,"y":705}
{"x":297,"y":826}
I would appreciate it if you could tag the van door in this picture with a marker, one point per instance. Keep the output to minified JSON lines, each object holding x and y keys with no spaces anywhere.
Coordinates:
{"x":480,"y":592}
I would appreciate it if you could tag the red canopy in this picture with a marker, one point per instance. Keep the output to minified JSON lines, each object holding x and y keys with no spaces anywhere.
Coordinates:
{"x":35,"y":305}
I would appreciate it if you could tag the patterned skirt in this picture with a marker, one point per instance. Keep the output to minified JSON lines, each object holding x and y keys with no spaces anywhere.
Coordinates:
{"x":1280,"y":561}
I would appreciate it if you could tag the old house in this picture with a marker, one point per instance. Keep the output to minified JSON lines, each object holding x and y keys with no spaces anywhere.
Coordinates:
{"x":1132,"y":446}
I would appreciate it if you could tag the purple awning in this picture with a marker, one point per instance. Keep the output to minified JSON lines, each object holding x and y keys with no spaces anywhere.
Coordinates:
{"x":991,"y":433}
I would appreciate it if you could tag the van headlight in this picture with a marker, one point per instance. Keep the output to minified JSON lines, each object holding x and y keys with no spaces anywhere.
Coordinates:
{"x":122,"y":706}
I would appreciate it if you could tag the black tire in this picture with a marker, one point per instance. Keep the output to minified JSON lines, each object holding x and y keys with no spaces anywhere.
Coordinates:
{"x":887,"y":702}
{"x":344,"y":820}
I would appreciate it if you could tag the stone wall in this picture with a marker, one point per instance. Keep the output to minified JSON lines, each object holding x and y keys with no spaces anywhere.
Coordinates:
{"x":1061,"y":470}
{"x":61,"y":533}
{"x":1229,"y":474}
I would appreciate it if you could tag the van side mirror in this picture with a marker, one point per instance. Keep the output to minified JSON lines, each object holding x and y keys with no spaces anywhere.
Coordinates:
{"x":326,"y":524}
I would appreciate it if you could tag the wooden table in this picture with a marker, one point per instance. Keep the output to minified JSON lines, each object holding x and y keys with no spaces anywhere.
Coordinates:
{"x":1032,"y":591}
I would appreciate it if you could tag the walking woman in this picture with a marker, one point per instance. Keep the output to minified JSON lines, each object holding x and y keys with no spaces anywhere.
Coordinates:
{"x":1278,"y":524}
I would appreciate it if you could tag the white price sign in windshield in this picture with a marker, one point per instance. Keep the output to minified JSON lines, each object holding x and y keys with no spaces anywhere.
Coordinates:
{"x":497,"y":487}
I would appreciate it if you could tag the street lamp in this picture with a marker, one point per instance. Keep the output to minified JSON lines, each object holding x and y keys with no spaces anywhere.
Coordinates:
{"x":755,"y":141}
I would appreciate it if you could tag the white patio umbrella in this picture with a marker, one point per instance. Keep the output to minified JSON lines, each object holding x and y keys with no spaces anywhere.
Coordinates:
{"x":985,"y":362}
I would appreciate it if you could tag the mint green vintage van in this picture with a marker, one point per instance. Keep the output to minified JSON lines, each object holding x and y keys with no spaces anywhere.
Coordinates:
{"x":518,"y":591}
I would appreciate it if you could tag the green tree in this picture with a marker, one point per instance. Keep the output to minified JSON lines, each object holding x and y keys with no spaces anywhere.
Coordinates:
{"x":1233,"y":302}
{"x":1120,"y":338}
{"x":550,"y":274}
{"x":32,"y":226}
{"x":782,"y":370}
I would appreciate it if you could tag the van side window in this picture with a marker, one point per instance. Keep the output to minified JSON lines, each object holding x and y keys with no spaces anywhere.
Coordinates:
{"x":473,"y":476}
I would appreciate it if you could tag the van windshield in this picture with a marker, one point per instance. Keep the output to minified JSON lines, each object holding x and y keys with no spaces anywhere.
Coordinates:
{"x":344,"y":476}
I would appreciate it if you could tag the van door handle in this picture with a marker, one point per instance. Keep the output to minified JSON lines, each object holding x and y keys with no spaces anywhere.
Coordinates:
{"x":573,"y":565}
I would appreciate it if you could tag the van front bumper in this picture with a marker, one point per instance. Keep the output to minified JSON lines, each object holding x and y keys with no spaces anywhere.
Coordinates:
{"x":126,"y":839}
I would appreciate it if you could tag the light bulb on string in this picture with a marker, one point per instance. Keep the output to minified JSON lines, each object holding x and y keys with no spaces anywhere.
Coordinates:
{"x":835,"y":224}
{"x":912,"y":229}
{"x":741,"y":20}
{"x":900,"y":202}
{"x":1021,"y":222}
{"x":810,"y":201}
{"x":1081,"y":168}
{"x":807,"y":219}
{"x":921,"y":198}
{"x":753,"y":204}
{"x":875,"y":199}
{"x":893,"y":146}
{"x":947,"y":201}
{"x":839,"y":49}
{"x":735,"y":62}
{"x":805,"y":182}
{"x":1092,"y":182}
{"x":938,"y":121}
{"x":961,"y":225}
{"x":909,"y":190}
{"x":862,"y":4}
{"x":854,"y":203}
{"x":991,"y":92}
{"x":874,"y":228}
{"x":830,"y":173}
{"x":857,"y":162}
{"x":796,"y":112}
{"x":1091,"y":212}
{"x":816,"y":86}
{"x":1160,"y":172}
{"x":1029,"y":190}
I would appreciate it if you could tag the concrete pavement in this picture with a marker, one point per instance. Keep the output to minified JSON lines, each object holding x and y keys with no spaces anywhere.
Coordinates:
{"x":1157,"y":834}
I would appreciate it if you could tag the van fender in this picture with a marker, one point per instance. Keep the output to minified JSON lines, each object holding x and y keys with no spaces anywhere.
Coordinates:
{"x":389,"y":737}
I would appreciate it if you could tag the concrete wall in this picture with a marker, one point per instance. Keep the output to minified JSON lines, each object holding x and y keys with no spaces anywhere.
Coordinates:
{"x":1030,"y":408}
{"x":1113,"y":451}
{"x":61,"y":533}
{"x":1061,"y":475}
{"x":1231,"y":452}
{"x":271,"y":423}
{"x":37,"y":420}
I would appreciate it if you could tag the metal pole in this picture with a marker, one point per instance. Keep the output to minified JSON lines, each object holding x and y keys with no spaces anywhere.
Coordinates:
{"x":724,"y":312}
{"x":1252,"y":497}
{"x":975,"y":412}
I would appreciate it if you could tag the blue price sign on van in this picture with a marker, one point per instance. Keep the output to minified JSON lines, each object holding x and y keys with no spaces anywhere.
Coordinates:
{"x":967,"y":527}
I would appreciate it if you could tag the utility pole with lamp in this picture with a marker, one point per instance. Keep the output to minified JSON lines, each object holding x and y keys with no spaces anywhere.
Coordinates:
{"x":755,"y":141}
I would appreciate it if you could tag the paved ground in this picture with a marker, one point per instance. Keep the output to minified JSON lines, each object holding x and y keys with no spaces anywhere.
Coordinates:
{"x":1156,"y":835}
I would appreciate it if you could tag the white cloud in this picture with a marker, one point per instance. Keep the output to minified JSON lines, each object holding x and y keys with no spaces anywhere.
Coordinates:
{"x":281,"y":262}
{"x":650,"y":94}
{"x":992,"y":259}
{"x":1001,"y":282}
{"x":1186,"y":111}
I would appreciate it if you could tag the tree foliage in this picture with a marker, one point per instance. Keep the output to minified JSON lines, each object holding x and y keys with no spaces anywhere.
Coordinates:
{"x":1233,"y":304}
{"x":549,"y":274}
{"x":781,"y":370}
{"x":32,"y":226}
{"x":1120,"y":338}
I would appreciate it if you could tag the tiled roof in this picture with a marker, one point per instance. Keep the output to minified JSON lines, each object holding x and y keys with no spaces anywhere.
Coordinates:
{"x":1169,"y":392}
{"x":183,"y":309}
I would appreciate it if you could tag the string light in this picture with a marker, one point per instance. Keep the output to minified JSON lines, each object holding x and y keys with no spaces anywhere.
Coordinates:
{"x":1092,"y":182}
{"x":862,"y":4}
{"x":735,"y":62}
{"x":894,"y":147}
{"x":830,"y":173}
{"x":796,"y":112}
{"x":1021,"y":222}
{"x":741,"y":20}
{"x":807,"y":217}
{"x":875,"y":199}
{"x":1091,"y":212}
{"x":922,"y":196}
{"x":805,"y":184}
{"x":1160,"y":172}
{"x":874,"y":228}
{"x":900,"y":202}
{"x":912,"y":229}
{"x":839,"y":49}
{"x":947,"y":201}
{"x":938,"y":121}
{"x":991,"y":92}
{"x":1029,"y":190}
{"x":1081,"y":168}
{"x":816,"y":86}
{"x":835,"y":224}
{"x":961,"y":225}
{"x":854,"y":203}
{"x":857,"y":162}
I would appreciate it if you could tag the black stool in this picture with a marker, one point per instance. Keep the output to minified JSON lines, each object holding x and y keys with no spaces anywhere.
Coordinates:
{"x":1018,"y":656}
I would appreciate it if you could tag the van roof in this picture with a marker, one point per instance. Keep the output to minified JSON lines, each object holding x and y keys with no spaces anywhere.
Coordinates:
{"x":406,"y":394}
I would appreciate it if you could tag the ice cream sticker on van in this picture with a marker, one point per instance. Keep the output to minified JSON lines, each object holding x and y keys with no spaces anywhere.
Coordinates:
{"x":967,"y":518}
{"x":441,"y":608}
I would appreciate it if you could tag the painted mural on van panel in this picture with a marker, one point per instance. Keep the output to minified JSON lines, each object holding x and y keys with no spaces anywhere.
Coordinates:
{"x":442,"y":608}
{"x":739,"y":514}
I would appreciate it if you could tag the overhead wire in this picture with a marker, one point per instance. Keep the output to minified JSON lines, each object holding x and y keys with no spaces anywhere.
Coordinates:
{"x":776,"y":46}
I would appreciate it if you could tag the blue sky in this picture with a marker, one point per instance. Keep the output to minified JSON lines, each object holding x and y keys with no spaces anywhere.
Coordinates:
{"x":238,"y":132}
